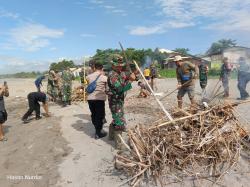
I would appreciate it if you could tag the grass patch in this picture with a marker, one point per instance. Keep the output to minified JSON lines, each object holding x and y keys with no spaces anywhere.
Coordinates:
{"x":212,"y":74}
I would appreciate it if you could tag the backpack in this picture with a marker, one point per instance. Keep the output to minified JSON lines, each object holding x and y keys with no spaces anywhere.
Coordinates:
{"x":185,"y":77}
{"x":92,"y":86}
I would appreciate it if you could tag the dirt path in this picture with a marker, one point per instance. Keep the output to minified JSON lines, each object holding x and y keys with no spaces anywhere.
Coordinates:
{"x":33,"y":151}
{"x":90,"y":163}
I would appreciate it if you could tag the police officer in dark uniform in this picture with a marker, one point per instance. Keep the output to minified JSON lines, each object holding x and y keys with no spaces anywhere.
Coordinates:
{"x":34,"y":98}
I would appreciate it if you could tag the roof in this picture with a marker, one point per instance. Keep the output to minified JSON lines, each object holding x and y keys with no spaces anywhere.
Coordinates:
{"x":236,"y":47}
{"x":188,"y":56}
{"x":230,"y":48}
{"x":167,"y":51}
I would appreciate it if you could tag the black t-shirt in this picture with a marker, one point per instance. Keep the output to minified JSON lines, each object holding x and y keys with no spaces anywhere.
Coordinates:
{"x":37,"y":96}
{"x":2,"y":107}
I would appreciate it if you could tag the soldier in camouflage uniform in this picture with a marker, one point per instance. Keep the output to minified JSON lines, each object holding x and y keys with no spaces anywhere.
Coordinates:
{"x":67,"y":78}
{"x":51,"y":86}
{"x":225,"y":75}
{"x":119,"y":82}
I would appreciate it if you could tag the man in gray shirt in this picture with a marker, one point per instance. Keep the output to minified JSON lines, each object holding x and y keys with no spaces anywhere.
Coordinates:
{"x":3,"y":114}
{"x":243,"y":78}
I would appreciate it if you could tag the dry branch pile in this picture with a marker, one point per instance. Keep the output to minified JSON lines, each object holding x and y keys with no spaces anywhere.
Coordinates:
{"x":203,"y":145}
{"x":78,"y":94}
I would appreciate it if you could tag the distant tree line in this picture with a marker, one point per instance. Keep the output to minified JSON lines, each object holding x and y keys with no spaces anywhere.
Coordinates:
{"x":32,"y":74}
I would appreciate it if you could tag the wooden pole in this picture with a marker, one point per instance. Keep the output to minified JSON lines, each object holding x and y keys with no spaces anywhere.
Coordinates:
{"x":158,"y":101}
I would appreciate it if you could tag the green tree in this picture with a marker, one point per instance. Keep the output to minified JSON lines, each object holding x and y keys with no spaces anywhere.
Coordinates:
{"x":183,"y":51}
{"x":62,"y":65}
{"x":104,"y":56}
{"x":219,"y":46}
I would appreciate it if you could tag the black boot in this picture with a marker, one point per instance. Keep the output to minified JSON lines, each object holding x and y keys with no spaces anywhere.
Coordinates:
{"x":64,"y":104}
{"x":25,"y":120}
{"x":38,"y":117}
{"x":100,"y":134}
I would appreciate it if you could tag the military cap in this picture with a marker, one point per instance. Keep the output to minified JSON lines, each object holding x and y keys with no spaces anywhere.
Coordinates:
{"x":117,"y":60}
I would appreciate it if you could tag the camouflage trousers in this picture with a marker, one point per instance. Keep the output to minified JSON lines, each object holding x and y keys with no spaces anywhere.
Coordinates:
{"x":117,"y":111}
{"x":225,"y":83}
{"x":66,"y":93}
{"x":118,"y":123}
{"x":52,"y":91}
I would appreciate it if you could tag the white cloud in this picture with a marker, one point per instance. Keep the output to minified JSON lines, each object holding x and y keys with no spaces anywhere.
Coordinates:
{"x":79,"y":3}
{"x":157,"y":29}
{"x":109,"y":7}
{"x":53,"y":49}
{"x":32,"y":36}
{"x":7,"y":14}
{"x":10,"y":64}
{"x":220,"y":15}
{"x":118,"y":11}
{"x":97,"y":1}
{"x":85,"y":35}
{"x":142,"y":31}
{"x":13,"y":64}
{"x":218,"y":12}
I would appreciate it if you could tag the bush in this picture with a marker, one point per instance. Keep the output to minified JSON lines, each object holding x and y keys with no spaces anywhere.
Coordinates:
{"x":167,"y":73}
{"x":215,"y":73}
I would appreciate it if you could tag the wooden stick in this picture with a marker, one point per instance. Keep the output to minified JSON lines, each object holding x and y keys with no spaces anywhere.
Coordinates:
{"x":151,"y":90}
{"x":180,"y":119}
{"x":138,"y":174}
{"x":175,"y":90}
{"x":126,"y":145}
{"x":212,"y":93}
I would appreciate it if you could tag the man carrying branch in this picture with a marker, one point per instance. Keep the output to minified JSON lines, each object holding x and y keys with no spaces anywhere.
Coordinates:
{"x":186,"y":73}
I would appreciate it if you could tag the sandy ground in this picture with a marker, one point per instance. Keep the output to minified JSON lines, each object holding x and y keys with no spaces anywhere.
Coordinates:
{"x":61,"y":150}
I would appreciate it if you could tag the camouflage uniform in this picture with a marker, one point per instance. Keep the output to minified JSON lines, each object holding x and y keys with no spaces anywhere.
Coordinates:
{"x":56,"y":90}
{"x":51,"y":85}
{"x":224,"y":76}
{"x":67,"y":78}
{"x":118,"y":85}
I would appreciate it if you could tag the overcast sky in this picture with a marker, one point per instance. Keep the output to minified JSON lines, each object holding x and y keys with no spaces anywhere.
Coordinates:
{"x":35,"y":33}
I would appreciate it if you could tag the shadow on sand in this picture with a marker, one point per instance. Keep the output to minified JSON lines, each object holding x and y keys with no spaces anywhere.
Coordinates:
{"x":88,"y":127}
{"x":6,"y":128}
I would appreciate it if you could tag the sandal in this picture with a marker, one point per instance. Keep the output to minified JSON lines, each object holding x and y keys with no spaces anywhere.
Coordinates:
{"x":4,"y":139}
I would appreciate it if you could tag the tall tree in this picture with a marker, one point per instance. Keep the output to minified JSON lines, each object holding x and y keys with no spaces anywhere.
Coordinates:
{"x":219,"y":46}
{"x":62,"y":65}
{"x":183,"y":51}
